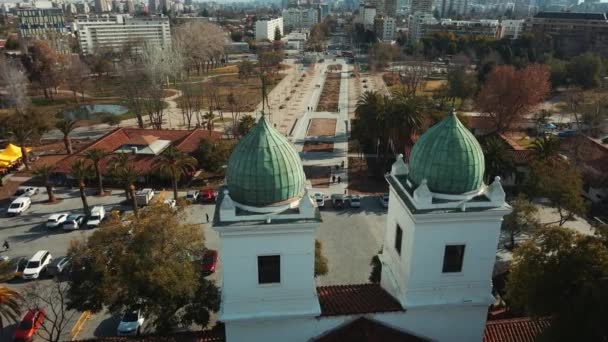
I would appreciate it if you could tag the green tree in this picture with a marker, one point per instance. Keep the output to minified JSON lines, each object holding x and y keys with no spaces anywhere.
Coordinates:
{"x":81,"y":171}
{"x":564,"y":275}
{"x":497,"y":158}
{"x":277,"y":34}
{"x":10,"y":306}
{"x":212,"y":154}
{"x":321,"y":264}
{"x":96,"y":155}
{"x":461,"y":85}
{"x":44,"y":172}
{"x":152,"y":263}
{"x":546,"y":147}
{"x":559,"y":182}
{"x":176,"y":164}
{"x":66,"y":126}
{"x":123,"y":171}
{"x":523,"y":219}
{"x":585,"y":70}
{"x":245,"y":124}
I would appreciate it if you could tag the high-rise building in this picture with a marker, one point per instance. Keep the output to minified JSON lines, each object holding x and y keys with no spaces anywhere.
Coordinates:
{"x":102,"y":6}
{"x":450,"y":8}
{"x":130,"y":7}
{"x":300,"y":18}
{"x":378,"y":4}
{"x":39,"y":22}
{"x":384,"y":27}
{"x":153,"y":6}
{"x":265,"y":28}
{"x":421,"y":6}
{"x":114,"y":31}
{"x":367,"y":14}
{"x":390,"y":8}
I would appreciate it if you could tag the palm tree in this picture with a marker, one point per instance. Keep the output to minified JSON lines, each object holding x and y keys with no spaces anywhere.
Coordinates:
{"x":81,"y":171}
{"x":10,"y":306}
{"x":95,"y":155}
{"x":209,"y":117}
{"x":125,"y":173}
{"x":368,"y":125}
{"x":45,"y":172}
{"x":66,"y":126}
{"x":176,"y":163}
{"x":498,"y":161}
{"x":547,"y":147}
{"x":21,"y":135}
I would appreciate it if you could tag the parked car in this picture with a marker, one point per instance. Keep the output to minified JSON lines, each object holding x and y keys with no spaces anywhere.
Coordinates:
{"x":192,"y":195}
{"x":98,"y":213}
{"x":58,"y":266}
{"x":384,"y":201}
{"x":73,"y":222}
{"x":30,"y":323}
{"x":15,"y":268}
{"x":37,"y":264}
{"x":209,"y":261}
{"x":130,"y":324}
{"x":337,"y":201}
{"x":19,"y":205}
{"x":144,"y":196}
{"x":320,"y":199}
{"x":208,"y":195}
{"x":28,"y":191}
{"x":566,"y":133}
{"x":355,"y":201}
{"x":56,"y":220}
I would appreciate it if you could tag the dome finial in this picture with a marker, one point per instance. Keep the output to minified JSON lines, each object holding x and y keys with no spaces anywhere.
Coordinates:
{"x":454,"y":111}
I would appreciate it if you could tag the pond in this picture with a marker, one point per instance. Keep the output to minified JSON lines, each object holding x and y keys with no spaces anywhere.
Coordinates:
{"x":94,"y":111}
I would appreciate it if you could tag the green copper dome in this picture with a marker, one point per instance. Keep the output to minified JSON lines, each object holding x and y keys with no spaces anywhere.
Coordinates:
{"x":264,"y":168}
{"x":449,"y":157}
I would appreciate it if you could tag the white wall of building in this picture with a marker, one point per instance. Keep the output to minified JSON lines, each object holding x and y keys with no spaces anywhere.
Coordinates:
{"x":367,"y":15}
{"x":117,"y":30}
{"x":511,"y":28}
{"x":264,"y":29}
{"x":417,"y":25}
{"x":300,"y":18}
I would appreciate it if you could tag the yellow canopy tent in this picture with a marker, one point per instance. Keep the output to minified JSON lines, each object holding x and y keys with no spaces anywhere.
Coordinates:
{"x":4,"y":164}
{"x":9,"y":158}
{"x":14,"y":150}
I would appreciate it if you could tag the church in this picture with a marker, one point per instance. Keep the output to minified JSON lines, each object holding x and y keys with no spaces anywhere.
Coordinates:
{"x":438,"y":253}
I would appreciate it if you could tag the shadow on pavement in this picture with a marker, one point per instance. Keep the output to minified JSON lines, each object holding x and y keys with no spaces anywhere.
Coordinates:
{"x":108,"y":326}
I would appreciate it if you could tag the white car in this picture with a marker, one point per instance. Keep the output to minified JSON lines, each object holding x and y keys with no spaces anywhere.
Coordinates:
{"x":130,"y":324}
{"x":384,"y":201}
{"x":56,"y":220}
{"x":355,"y":201}
{"x":36,"y":265}
{"x":170,"y":202}
{"x":19,"y":205}
{"x":320,"y":199}
{"x":28,"y":191}
{"x":73,"y":222}
{"x":98,"y":213}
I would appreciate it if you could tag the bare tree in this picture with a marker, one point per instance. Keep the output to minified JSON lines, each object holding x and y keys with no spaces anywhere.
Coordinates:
{"x":413,"y":75}
{"x":77,"y":77}
{"x":190,"y":103}
{"x":134,"y":87}
{"x":15,"y":82}
{"x":52,"y":297}
{"x":201,"y":45}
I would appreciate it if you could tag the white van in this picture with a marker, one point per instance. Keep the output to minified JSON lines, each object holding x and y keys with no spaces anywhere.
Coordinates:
{"x":19,"y":205}
{"x":98,"y":213}
{"x":36,"y":265}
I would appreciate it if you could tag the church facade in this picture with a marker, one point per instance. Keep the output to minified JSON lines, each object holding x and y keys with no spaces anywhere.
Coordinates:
{"x":437,"y":258}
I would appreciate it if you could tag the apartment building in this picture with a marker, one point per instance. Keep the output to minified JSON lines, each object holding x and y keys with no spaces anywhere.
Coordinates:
{"x":384,"y":27}
{"x":453,"y":7}
{"x":367,"y":14}
{"x":265,"y":28}
{"x":300,"y":18}
{"x":418,"y":25}
{"x":465,"y":28}
{"x":39,"y":22}
{"x":572,"y":33}
{"x":116,"y":31}
{"x":511,"y":28}
{"x":421,"y":6}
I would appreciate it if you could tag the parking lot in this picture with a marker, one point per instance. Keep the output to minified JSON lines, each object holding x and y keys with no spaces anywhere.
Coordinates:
{"x":350,"y":237}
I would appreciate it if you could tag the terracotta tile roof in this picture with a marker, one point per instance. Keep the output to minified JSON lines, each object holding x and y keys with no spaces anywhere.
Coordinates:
{"x":514,"y":330}
{"x":591,"y":153}
{"x":367,"y":330}
{"x":144,"y":140}
{"x":355,"y":299}
{"x":183,"y":140}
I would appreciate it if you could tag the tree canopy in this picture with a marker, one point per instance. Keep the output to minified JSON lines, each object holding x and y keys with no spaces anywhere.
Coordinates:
{"x":564,"y":275}
{"x":152,"y":263}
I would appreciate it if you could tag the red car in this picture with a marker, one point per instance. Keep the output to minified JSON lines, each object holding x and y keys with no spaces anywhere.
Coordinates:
{"x":208,"y":195}
{"x":32,"y":320}
{"x":209,"y":261}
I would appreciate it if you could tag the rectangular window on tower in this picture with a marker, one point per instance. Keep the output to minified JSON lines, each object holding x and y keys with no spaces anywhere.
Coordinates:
{"x":452,"y":258}
{"x":398,"y":239}
{"x":269,"y":269}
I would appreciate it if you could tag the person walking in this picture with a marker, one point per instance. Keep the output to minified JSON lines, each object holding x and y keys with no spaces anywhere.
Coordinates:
{"x":333,"y":179}
{"x":6,"y":245}
{"x":207,"y":216}
{"x":339,"y":179}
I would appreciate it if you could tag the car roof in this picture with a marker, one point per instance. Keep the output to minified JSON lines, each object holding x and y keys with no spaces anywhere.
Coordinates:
{"x":97,"y":208}
{"x":38,"y":255}
{"x":54,"y":216}
{"x":21,"y":199}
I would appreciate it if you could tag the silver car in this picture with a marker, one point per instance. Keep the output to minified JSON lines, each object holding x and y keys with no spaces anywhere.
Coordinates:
{"x":58,"y":266}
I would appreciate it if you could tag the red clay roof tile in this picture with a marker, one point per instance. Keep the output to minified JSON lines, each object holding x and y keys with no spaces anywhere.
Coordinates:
{"x":514,"y":330}
{"x":355,"y":299}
